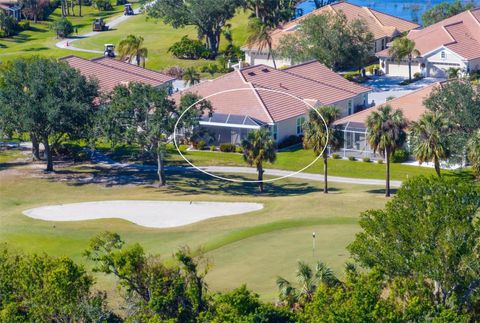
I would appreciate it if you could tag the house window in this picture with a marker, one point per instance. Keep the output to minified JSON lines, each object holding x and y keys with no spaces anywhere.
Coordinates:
{"x":350,"y":107}
{"x":444,"y":55}
{"x":365,"y":99}
{"x":274,"y":131}
{"x":300,"y":122}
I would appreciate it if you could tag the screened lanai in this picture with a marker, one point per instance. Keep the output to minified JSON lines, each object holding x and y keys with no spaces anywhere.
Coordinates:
{"x":229,"y":128}
{"x":355,"y":141}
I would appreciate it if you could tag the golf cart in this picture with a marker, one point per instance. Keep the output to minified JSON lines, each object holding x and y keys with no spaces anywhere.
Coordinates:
{"x":128,"y":11}
{"x":99,"y":25}
{"x":109,"y":50}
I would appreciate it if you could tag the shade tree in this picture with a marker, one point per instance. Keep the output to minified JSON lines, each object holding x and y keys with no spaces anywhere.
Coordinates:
{"x":47,"y":99}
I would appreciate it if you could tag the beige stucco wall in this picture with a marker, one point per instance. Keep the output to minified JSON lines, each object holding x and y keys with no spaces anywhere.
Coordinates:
{"x":253,"y":58}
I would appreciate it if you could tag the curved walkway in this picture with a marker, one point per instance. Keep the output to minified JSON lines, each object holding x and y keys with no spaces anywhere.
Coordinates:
{"x":66,"y":43}
{"x":100,"y":158}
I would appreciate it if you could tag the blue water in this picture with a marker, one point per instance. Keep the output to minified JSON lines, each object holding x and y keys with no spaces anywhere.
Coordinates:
{"x":406,"y":9}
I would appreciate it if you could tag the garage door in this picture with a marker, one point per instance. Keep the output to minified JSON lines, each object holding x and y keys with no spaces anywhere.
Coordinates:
{"x":439,"y":70}
{"x":401,"y":69}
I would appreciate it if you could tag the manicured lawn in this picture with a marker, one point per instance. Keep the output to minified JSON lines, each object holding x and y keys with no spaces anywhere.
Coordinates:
{"x":251,"y":248}
{"x":296,"y":160}
{"x":159,"y":37}
{"x":41,"y":41}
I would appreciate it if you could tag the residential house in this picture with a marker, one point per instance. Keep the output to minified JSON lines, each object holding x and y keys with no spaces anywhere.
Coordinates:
{"x":453,"y":42}
{"x":383,"y":26}
{"x":261,"y":96}
{"x":111,"y":72}
{"x":11,"y":8}
{"x":354,"y":126}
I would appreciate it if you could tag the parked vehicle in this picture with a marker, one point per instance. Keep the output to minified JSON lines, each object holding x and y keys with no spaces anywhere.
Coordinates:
{"x":99,"y":25}
{"x":128,"y":11}
{"x":109,"y":50}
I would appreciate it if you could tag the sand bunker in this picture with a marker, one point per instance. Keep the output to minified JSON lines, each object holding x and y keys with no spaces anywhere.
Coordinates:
{"x":155,"y":214}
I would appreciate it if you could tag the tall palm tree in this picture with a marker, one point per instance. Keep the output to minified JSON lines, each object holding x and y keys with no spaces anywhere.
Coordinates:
{"x":320,"y":133}
{"x":402,"y":48}
{"x":260,"y":37}
{"x":191,"y":76}
{"x":386,"y":133}
{"x":308,"y":280}
{"x":428,"y":139}
{"x":130,"y":47}
{"x":259,"y":147}
{"x":473,"y":149}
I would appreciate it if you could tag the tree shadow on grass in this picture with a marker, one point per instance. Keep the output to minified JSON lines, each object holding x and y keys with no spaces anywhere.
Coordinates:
{"x":5,"y":166}
{"x":186,"y":182}
{"x":461,"y":174}
{"x":193,"y":182}
{"x":382,"y":191}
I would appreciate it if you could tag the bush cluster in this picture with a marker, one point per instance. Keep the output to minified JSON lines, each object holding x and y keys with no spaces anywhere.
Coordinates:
{"x":227,"y":148}
{"x":188,"y":48}
{"x":400,"y":156}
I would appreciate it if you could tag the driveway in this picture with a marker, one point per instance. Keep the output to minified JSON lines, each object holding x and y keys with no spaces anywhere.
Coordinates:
{"x":389,"y":86}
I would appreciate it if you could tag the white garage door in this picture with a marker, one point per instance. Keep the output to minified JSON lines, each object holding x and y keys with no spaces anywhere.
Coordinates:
{"x":401,"y":69}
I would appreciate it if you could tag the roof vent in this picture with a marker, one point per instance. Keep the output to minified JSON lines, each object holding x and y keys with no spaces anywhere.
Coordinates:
{"x":265,"y":70}
{"x":251,"y":73}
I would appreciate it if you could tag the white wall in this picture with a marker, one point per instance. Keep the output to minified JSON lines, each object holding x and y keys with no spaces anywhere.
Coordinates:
{"x":253,"y":58}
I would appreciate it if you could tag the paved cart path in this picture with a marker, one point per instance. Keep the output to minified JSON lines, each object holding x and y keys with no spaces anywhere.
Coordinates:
{"x":67,"y":43}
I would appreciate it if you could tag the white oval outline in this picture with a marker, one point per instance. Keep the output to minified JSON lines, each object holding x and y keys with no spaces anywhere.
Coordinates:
{"x":240,"y":180}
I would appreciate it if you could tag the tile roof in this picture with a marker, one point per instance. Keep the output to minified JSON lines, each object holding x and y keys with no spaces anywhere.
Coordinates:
{"x":460,"y":34}
{"x":379,"y":23}
{"x":301,"y":83}
{"x":410,"y":104}
{"x":110,"y":74}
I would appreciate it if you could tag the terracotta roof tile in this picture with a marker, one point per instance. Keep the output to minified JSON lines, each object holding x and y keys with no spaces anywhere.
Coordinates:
{"x":108,"y":76}
{"x":460,"y":33}
{"x":380,"y":24}
{"x":410,"y":104}
{"x":301,"y":83}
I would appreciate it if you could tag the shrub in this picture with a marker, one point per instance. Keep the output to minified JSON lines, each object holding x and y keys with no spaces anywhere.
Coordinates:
{"x":62,"y":27}
{"x":366,"y":160}
{"x":418,"y":76}
{"x":289,"y":141}
{"x":380,"y":161}
{"x":391,"y":97}
{"x":102,"y":5}
{"x":201,"y":145}
{"x":189,"y":49}
{"x":212,"y":147}
{"x":8,"y":25}
{"x":336,"y":156}
{"x":24,"y":25}
{"x":227,"y":148}
{"x":400,"y":156}
{"x":370,"y":68}
{"x":239,"y":149}
{"x":174,"y":71}
{"x":352,"y":158}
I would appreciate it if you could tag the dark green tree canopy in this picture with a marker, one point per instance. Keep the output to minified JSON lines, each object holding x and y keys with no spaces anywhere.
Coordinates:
{"x":459,"y":102}
{"x":46,"y":98}
{"x":272,"y":12}
{"x":330,"y":38}
{"x":445,"y":10}
{"x":428,"y":230}
{"x":208,"y":16}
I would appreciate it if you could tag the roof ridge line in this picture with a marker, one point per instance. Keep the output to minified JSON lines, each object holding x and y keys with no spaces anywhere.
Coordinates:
{"x":135,"y":73}
{"x":323,"y":83}
{"x":254,"y":90}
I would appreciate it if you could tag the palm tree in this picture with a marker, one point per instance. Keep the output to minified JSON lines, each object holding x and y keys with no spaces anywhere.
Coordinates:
{"x":259,"y":36}
{"x":385,"y":133}
{"x":191,"y":76}
{"x":320,"y":133}
{"x":453,"y":72}
{"x":473,"y":149}
{"x":402,"y":48}
{"x":308,"y":280}
{"x":132,"y":47}
{"x":259,"y":147}
{"x":428,"y":139}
